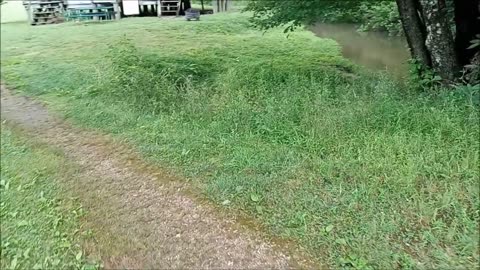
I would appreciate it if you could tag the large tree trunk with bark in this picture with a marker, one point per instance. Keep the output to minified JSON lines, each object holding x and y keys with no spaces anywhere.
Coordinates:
{"x":430,"y":38}
{"x":440,"y":39}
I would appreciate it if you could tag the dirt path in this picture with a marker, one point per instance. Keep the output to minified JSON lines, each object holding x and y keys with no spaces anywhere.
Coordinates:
{"x":143,"y":217}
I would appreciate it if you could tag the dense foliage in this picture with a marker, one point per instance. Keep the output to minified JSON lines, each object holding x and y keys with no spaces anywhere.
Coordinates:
{"x":369,"y":15}
{"x":380,"y":16}
{"x":268,"y":14}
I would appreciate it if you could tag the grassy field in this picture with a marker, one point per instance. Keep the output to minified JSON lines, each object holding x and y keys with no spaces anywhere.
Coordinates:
{"x":40,"y":227}
{"x":363,"y":172}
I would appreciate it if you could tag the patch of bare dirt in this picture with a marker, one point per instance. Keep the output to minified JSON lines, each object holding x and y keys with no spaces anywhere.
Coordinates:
{"x":142,"y":216}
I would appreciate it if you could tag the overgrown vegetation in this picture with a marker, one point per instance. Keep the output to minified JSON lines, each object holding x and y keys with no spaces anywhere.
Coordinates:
{"x":380,"y":16}
{"x":368,"y":15}
{"x":40,"y":228}
{"x":360,"y":170}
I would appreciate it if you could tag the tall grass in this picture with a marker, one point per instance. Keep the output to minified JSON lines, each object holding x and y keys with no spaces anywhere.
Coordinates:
{"x":360,"y":170}
{"x":354,"y":166}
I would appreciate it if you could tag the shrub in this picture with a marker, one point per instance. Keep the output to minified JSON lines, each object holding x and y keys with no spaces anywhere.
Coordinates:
{"x":381,"y":16}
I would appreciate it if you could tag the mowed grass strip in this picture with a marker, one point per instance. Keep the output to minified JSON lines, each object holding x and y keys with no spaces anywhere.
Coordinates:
{"x":41,"y":227}
{"x":360,"y":170}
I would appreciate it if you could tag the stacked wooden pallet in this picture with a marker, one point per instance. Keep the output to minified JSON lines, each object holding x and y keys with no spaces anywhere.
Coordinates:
{"x":44,"y":11}
{"x":169,"y":7}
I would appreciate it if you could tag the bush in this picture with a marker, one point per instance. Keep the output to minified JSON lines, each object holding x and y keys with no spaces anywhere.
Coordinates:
{"x":381,"y":16}
{"x":146,"y":83}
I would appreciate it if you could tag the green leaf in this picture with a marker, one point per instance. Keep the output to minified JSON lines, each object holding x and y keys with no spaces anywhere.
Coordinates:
{"x":56,"y":262}
{"x":13,"y":264}
{"x":329,"y":228}
{"x":22,"y":223}
{"x":79,"y":256}
{"x":226,"y":202}
{"x":89,"y":267}
{"x":341,"y":241}
{"x":474,"y":45}
{"x":65,"y":244}
{"x":26,"y":253}
{"x":254,"y":197}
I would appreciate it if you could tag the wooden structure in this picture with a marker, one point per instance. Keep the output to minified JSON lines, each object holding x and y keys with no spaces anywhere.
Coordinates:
{"x":54,"y":11}
{"x":163,"y":7}
{"x":44,"y":11}
{"x":169,"y":7}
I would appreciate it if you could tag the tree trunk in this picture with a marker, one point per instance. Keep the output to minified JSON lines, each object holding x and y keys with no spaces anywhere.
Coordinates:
{"x":467,"y":21}
{"x":439,"y":39}
{"x":222,"y":5}
{"x":187,"y":4}
{"x":414,"y":30}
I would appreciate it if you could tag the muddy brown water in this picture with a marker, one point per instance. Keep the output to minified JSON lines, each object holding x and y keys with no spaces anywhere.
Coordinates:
{"x":373,"y":50}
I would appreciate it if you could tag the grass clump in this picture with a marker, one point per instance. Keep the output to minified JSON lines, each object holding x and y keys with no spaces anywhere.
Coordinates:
{"x":40,"y":229}
{"x":358,"y":169}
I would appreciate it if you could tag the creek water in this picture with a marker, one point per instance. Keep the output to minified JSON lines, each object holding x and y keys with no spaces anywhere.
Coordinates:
{"x":373,"y":50}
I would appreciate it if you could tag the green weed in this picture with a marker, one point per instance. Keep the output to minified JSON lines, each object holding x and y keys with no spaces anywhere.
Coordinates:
{"x":40,"y":229}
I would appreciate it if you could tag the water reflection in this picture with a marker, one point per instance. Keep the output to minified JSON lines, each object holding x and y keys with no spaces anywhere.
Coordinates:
{"x":373,"y":50}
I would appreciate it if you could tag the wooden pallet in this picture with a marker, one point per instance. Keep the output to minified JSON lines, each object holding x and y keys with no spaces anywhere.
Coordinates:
{"x":44,"y":11}
{"x":168,"y":7}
